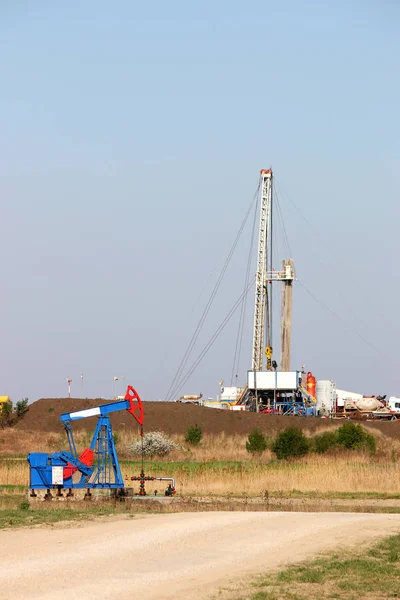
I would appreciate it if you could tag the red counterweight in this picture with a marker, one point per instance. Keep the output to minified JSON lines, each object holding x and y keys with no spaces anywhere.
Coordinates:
{"x":135,"y":406}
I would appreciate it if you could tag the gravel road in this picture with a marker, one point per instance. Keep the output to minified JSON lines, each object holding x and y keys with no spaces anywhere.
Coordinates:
{"x":186,"y":555}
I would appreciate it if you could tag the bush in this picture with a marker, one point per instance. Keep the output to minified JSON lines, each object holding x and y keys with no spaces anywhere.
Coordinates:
{"x":291,"y":443}
{"x":6,"y":414}
{"x":194,"y":435}
{"x":350,"y":435}
{"x":353,"y":437}
{"x":256,"y":442}
{"x":325,"y":441}
{"x":21,"y":408}
{"x":9,"y":415}
{"x":370,"y":443}
{"x":155,"y":443}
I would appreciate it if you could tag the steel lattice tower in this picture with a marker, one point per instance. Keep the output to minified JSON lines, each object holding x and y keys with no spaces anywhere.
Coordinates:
{"x":261,"y":296}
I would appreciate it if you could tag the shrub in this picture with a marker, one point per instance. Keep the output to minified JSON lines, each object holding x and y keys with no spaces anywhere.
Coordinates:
{"x":9,"y":415}
{"x":6,"y":414}
{"x":21,"y":408}
{"x":194,"y":435}
{"x":291,"y":443}
{"x":353,"y":437}
{"x":350,"y":435}
{"x":325,"y":441}
{"x":155,"y":443}
{"x":370,"y":443}
{"x":256,"y":442}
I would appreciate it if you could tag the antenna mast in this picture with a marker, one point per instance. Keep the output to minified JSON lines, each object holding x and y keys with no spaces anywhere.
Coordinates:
{"x":261,"y":296}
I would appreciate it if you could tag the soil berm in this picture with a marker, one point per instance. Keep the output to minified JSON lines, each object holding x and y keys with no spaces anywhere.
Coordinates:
{"x":175,"y":418}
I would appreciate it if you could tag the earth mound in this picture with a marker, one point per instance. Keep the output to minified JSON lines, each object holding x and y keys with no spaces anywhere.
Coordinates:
{"x":171,"y":417}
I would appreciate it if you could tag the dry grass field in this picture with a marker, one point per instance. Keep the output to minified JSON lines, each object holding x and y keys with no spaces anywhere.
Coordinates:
{"x":221,"y":466}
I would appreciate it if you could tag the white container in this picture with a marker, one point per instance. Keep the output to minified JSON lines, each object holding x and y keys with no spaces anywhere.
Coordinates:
{"x":220,"y":405}
{"x":273,"y":380}
{"x":345,"y":395}
{"x":326,"y":395}
{"x":230,"y":394}
{"x":394,"y":404}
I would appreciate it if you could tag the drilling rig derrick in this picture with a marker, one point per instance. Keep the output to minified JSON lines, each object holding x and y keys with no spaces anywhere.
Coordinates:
{"x":265,"y":386}
{"x":261,"y":291}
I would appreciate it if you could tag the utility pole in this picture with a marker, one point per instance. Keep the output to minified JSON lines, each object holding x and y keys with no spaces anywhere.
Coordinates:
{"x":114,"y":380}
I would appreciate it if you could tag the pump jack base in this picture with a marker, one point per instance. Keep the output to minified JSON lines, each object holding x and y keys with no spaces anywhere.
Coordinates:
{"x":69,"y":495}
{"x":66,"y":495}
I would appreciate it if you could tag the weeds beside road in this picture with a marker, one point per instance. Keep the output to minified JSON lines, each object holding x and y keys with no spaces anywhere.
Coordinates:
{"x":350,"y":575}
{"x":16,"y":512}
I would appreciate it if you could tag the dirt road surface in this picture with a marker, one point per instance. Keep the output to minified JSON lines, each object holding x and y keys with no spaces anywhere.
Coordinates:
{"x":186,"y":555}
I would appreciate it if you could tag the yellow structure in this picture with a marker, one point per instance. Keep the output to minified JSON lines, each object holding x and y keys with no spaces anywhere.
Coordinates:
{"x":3,"y":400}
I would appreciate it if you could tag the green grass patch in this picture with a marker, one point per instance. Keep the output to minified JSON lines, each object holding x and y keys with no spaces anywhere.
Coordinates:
{"x":368,"y":573}
{"x":185,"y":468}
{"x":15,"y":511}
{"x":12,"y":457}
{"x":338,"y":495}
{"x":11,"y":488}
{"x":195,"y":468}
{"x":23,"y":516}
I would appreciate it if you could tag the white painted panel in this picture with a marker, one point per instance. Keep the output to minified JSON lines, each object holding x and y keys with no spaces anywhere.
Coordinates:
{"x":287,"y":380}
{"x":326,"y":394}
{"x":271,"y":380}
{"x":344,"y":395}
{"x":230,"y":393}
{"x":250,"y":380}
{"x":267,"y":380}
{"x":57,"y":475}
{"x":82,"y":414}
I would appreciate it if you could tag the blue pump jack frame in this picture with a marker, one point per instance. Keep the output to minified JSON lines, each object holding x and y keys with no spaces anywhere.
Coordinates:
{"x":50,"y":471}
{"x":104,"y":473}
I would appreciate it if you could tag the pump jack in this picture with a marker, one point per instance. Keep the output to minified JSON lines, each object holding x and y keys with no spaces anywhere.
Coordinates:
{"x":97,"y":466}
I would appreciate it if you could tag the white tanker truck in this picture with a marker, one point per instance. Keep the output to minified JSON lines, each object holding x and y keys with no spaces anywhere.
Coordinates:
{"x":371,"y":406}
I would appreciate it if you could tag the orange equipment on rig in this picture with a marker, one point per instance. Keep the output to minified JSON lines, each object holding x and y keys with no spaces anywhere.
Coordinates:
{"x":311,"y":384}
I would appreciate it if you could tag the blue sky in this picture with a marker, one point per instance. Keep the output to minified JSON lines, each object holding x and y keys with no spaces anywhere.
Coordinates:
{"x":132,"y":138}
